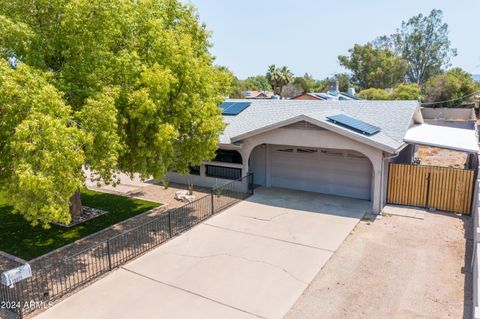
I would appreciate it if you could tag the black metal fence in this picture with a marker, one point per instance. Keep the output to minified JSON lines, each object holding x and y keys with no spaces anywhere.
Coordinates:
{"x":51,"y":282}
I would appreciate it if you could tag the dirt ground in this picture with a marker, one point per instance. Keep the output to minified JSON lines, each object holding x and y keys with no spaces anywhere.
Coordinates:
{"x":441,"y":157}
{"x":147,"y":190}
{"x":396,"y":267}
{"x":157,"y":193}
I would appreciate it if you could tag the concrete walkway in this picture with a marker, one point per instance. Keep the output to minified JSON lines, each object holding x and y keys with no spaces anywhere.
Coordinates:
{"x":252,"y":261}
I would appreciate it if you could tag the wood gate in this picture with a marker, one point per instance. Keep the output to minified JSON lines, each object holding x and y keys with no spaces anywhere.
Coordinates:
{"x":443,"y":188}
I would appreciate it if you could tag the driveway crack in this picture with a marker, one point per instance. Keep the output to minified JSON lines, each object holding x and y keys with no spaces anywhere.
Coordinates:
{"x":246,"y":259}
{"x":266,"y":219}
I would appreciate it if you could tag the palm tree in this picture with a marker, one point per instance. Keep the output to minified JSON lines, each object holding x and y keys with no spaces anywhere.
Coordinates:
{"x":273,"y":78}
{"x":278,"y":78}
{"x":286,"y":75}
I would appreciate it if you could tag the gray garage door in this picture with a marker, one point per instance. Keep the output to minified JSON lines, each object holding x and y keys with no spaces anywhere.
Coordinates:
{"x":323,"y":171}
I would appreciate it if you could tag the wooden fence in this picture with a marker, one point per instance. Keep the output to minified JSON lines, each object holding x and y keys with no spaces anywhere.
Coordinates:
{"x":443,"y":188}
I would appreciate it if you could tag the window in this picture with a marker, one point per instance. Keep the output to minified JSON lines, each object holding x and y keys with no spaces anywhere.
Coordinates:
{"x":287,"y":150}
{"x":306,"y":150}
{"x":223,"y":172}
{"x":331,"y":153}
{"x":194,"y":170}
{"x":228,"y":156}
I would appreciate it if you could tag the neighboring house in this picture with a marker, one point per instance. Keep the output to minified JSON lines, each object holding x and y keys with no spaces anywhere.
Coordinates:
{"x":325,"y":96}
{"x":333,"y":93}
{"x":257,"y":94}
{"x":295,"y":144}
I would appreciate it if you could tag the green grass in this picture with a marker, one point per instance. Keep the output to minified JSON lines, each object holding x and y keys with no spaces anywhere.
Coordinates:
{"x":19,"y":238}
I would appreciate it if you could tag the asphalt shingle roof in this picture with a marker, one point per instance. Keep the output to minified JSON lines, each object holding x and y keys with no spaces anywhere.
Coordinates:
{"x":393,"y":117}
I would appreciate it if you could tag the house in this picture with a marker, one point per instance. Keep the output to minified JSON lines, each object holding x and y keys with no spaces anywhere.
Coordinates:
{"x":334,"y":147}
{"x":325,"y":96}
{"x":333,"y":93}
{"x":257,"y":94}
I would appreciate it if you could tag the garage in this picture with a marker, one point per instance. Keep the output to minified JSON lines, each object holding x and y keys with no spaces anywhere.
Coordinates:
{"x":328,"y":171}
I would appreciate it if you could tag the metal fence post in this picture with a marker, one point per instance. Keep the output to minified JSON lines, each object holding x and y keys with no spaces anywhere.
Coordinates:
{"x":170,"y":224}
{"x":15,"y":295}
{"x":212,"y":200}
{"x":109,"y":255}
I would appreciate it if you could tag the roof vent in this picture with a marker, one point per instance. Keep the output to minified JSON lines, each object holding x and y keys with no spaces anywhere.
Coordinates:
{"x":354,"y":124}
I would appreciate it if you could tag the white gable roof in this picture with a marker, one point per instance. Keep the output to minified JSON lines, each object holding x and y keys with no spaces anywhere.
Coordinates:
{"x":393,"y":118}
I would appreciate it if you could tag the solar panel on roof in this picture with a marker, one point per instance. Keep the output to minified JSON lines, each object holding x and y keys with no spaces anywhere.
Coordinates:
{"x":354,"y":124}
{"x":235,"y":108}
{"x":225,"y":105}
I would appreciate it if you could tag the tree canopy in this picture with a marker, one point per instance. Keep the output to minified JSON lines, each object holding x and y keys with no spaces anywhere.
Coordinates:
{"x":252,"y":83}
{"x":109,"y":85}
{"x":406,"y":92}
{"x":450,"y":89}
{"x":373,"y":67}
{"x":258,"y":82}
{"x":401,"y":92}
{"x":374,"y":94}
{"x":423,"y":42}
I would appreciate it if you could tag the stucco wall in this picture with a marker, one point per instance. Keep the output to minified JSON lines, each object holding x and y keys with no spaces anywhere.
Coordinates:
{"x":320,"y":139}
{"x":452,"y":114}
{"x":300,"y":138}
{"x":203,"y":181}
{"x":451,"y":117}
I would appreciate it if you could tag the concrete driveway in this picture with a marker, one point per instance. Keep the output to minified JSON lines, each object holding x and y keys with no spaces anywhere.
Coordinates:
{"x":252,"y":261}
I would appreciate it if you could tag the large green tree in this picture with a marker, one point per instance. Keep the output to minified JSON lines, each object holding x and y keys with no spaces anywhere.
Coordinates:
{"x":258,"y":82}
{"x":373,"y":67}
{"x":406,"y":92}
{"x":306,"y":82}
{"x":423,"y":42}
{"x":252,"y":83}
{"x":111,"y":85}
{"x":374,"y":94}
{"x":449,"y":89}
{"x":401,"y":92}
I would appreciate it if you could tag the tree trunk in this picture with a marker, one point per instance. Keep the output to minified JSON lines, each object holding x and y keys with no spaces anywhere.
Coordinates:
{"x":75,"y":204}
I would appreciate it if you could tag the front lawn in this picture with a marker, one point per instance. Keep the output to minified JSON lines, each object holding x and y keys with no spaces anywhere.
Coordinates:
{"x":18,"y":238}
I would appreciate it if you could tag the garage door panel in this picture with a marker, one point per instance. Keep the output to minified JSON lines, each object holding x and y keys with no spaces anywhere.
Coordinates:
{"x":317,"y":172}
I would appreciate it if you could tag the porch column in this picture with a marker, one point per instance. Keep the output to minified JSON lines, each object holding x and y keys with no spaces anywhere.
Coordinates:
{"x":377,"y":189}
{"x":245,"y":157}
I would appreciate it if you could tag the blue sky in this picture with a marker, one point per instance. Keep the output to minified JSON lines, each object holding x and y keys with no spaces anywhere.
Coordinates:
{"x":308,"y":35}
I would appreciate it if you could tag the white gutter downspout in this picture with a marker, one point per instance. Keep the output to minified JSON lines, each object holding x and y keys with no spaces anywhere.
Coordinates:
{"x":385,"y":159}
